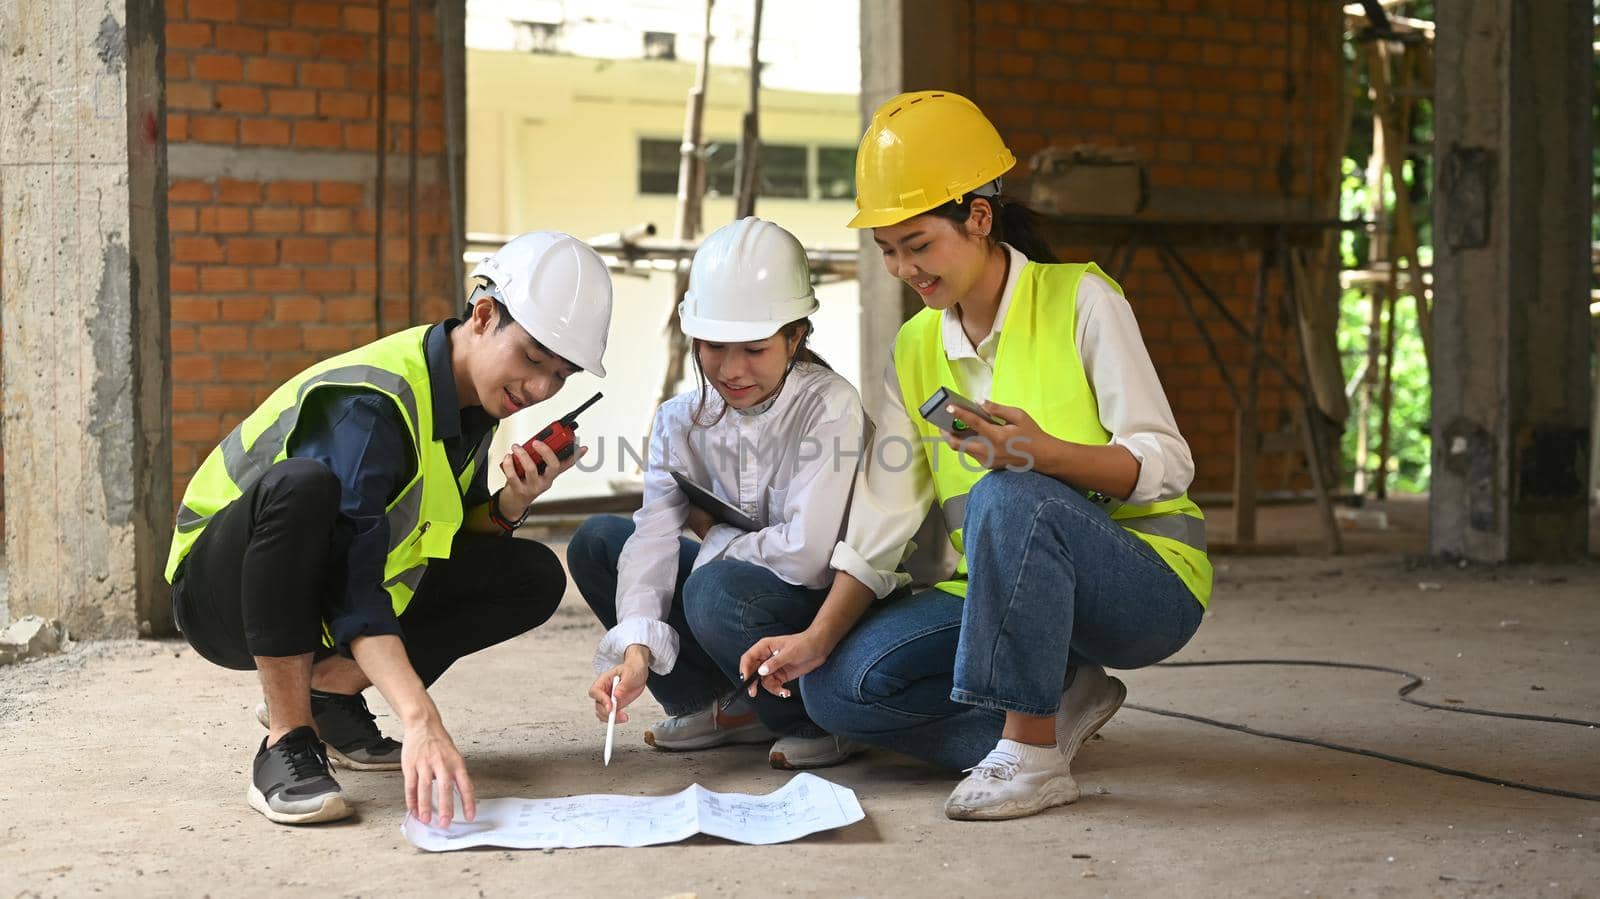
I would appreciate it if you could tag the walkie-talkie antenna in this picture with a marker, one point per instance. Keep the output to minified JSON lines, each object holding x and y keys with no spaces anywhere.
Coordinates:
{"x":568,"y":418}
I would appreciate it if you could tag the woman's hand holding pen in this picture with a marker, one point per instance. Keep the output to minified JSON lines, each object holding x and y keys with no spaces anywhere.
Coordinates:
{"x":780,"y":660}
{"x":633,"y":673}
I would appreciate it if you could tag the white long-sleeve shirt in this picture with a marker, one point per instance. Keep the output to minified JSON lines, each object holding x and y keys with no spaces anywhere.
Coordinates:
{"x":892,"y":497}
{"x":788,"y":463}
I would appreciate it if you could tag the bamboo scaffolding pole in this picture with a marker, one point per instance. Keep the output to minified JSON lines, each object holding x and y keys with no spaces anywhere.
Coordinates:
{"x":1397,"y":76}
{"x":691,"y":196}
{"x":1396,"y":125}
{"x":1377,"y":249}
{"x":748,"y":165}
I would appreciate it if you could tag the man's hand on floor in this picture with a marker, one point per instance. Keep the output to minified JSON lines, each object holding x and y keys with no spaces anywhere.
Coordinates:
{"x":431,"y":761}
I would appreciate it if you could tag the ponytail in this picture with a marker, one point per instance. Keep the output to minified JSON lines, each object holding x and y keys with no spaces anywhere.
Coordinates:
{"x":1018,"y":225}
{"x":1014,"y":223}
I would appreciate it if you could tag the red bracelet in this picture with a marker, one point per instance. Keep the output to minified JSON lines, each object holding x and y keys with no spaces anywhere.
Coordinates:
{"x":502,"y":522}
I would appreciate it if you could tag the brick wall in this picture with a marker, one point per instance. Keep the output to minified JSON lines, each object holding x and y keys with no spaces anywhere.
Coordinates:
{"x":273,"y":141}
{"x":1230,"y":103}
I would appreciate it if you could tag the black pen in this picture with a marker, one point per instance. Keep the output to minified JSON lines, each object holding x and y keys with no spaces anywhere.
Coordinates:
{"x":744,"y":688}
{"x":749,"y":682}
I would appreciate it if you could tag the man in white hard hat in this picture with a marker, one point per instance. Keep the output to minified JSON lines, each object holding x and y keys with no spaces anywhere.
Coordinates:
{"x":343,"y":535}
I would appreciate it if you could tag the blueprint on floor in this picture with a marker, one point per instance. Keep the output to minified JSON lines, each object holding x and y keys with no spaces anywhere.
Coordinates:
{"x":805,"y":805}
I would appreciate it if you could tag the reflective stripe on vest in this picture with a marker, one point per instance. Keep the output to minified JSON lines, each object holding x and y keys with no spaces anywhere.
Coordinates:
{"x":189,"y":519}
{"x":411,"y":577}
{"x":246,"y":466}
{"x":1185,"y":529}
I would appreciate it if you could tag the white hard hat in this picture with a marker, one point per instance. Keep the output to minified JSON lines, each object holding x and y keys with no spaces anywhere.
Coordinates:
{"x":557,"y":288}
{"x":748,"y":279}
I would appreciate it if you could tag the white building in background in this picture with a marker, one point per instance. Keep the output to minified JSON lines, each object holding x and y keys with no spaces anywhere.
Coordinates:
{"x":575,"y":113}
{"x":810,"y":46}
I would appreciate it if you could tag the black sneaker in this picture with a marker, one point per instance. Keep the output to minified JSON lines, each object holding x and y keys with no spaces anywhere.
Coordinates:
{"x":290,"y":783}
{"x":350,"y":731}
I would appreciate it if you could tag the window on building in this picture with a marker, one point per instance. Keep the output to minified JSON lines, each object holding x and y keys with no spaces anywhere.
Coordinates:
{"x":785,"y":171}
{"x":836,"y":173}
{"x":722,"y":159}
{"x":658,"y":166}
{"x":536,"y":37}
{"x":659,"y":161}
{"x":660,"y":45}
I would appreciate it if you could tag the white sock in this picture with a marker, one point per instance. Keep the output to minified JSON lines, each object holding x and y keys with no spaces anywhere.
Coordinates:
{"x":1031,"y":757}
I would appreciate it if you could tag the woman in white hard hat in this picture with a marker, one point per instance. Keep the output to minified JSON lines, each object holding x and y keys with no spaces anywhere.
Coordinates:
{"x":343,"y":536}
{"x":1066,"y":492}
{"x":775,"y":433}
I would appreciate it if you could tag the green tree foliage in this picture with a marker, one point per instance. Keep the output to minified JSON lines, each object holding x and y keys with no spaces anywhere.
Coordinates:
{"x":1410,"y":443}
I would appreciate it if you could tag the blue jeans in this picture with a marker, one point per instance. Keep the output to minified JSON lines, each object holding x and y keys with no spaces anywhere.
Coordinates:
{"x":1053,"y":583}
{"x":718,"y":611}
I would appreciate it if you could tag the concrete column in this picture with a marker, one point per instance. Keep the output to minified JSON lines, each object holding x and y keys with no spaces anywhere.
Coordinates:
{"x":1594,"y":418}
{"x":87,"y":408}
{"x":906,"y":45}
{"x":1513,"y":137}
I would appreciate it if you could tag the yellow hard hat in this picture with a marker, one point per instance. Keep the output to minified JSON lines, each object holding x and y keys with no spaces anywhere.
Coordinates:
{"x":923,"y":150}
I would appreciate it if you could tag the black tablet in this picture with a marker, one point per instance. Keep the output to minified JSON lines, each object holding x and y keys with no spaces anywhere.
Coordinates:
{"x":719,"y":508}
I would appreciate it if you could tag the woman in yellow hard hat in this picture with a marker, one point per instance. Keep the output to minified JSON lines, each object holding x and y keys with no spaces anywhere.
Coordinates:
{"x":1064,"y":488}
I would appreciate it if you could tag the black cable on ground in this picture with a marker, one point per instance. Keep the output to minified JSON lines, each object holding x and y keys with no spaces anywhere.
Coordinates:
{"x":1404,"y":693}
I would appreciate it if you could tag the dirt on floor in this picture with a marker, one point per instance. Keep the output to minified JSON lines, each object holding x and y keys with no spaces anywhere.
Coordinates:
{"x":123,"y":767}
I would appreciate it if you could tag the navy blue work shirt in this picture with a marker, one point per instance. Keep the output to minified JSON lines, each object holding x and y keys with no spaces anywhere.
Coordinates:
{"x":361,"y":437}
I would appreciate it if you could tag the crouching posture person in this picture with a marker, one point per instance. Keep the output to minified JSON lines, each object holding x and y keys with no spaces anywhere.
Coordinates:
{"x":343,"y":535}
{"x":1066,"y":497}
{"x":679,"y":612}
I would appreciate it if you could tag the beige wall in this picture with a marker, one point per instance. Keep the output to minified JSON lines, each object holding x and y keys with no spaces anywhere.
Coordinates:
{"x":554,"y":144}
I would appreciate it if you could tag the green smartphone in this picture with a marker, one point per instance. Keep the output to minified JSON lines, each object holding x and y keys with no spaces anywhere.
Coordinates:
{"x":934,"y":411}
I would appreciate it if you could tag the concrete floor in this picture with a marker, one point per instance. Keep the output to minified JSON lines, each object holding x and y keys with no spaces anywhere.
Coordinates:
{"x":123,"y":766}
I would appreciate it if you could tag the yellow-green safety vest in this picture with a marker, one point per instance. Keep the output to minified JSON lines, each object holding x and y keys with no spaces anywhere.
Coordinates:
{"x":1037,"y":368}
{"x":424,"y":516}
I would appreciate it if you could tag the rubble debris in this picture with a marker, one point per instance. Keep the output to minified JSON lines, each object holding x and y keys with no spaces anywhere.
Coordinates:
{"x":31,"y":638}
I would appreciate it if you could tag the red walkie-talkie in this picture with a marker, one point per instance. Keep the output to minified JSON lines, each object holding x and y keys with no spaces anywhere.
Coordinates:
{"x":561,"y":436}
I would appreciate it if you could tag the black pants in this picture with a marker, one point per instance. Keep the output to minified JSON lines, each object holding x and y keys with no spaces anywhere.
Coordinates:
{"x":261,"y":579}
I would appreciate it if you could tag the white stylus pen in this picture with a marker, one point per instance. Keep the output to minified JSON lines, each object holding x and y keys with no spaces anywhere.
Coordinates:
{"x":611,"y":723}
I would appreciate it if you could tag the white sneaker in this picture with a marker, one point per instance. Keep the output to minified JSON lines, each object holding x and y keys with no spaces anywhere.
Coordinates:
{"x":716,"y":726}
{"x":1086,"y":705}
{"x":1014,"y":780}
{"x":797,"y":753}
